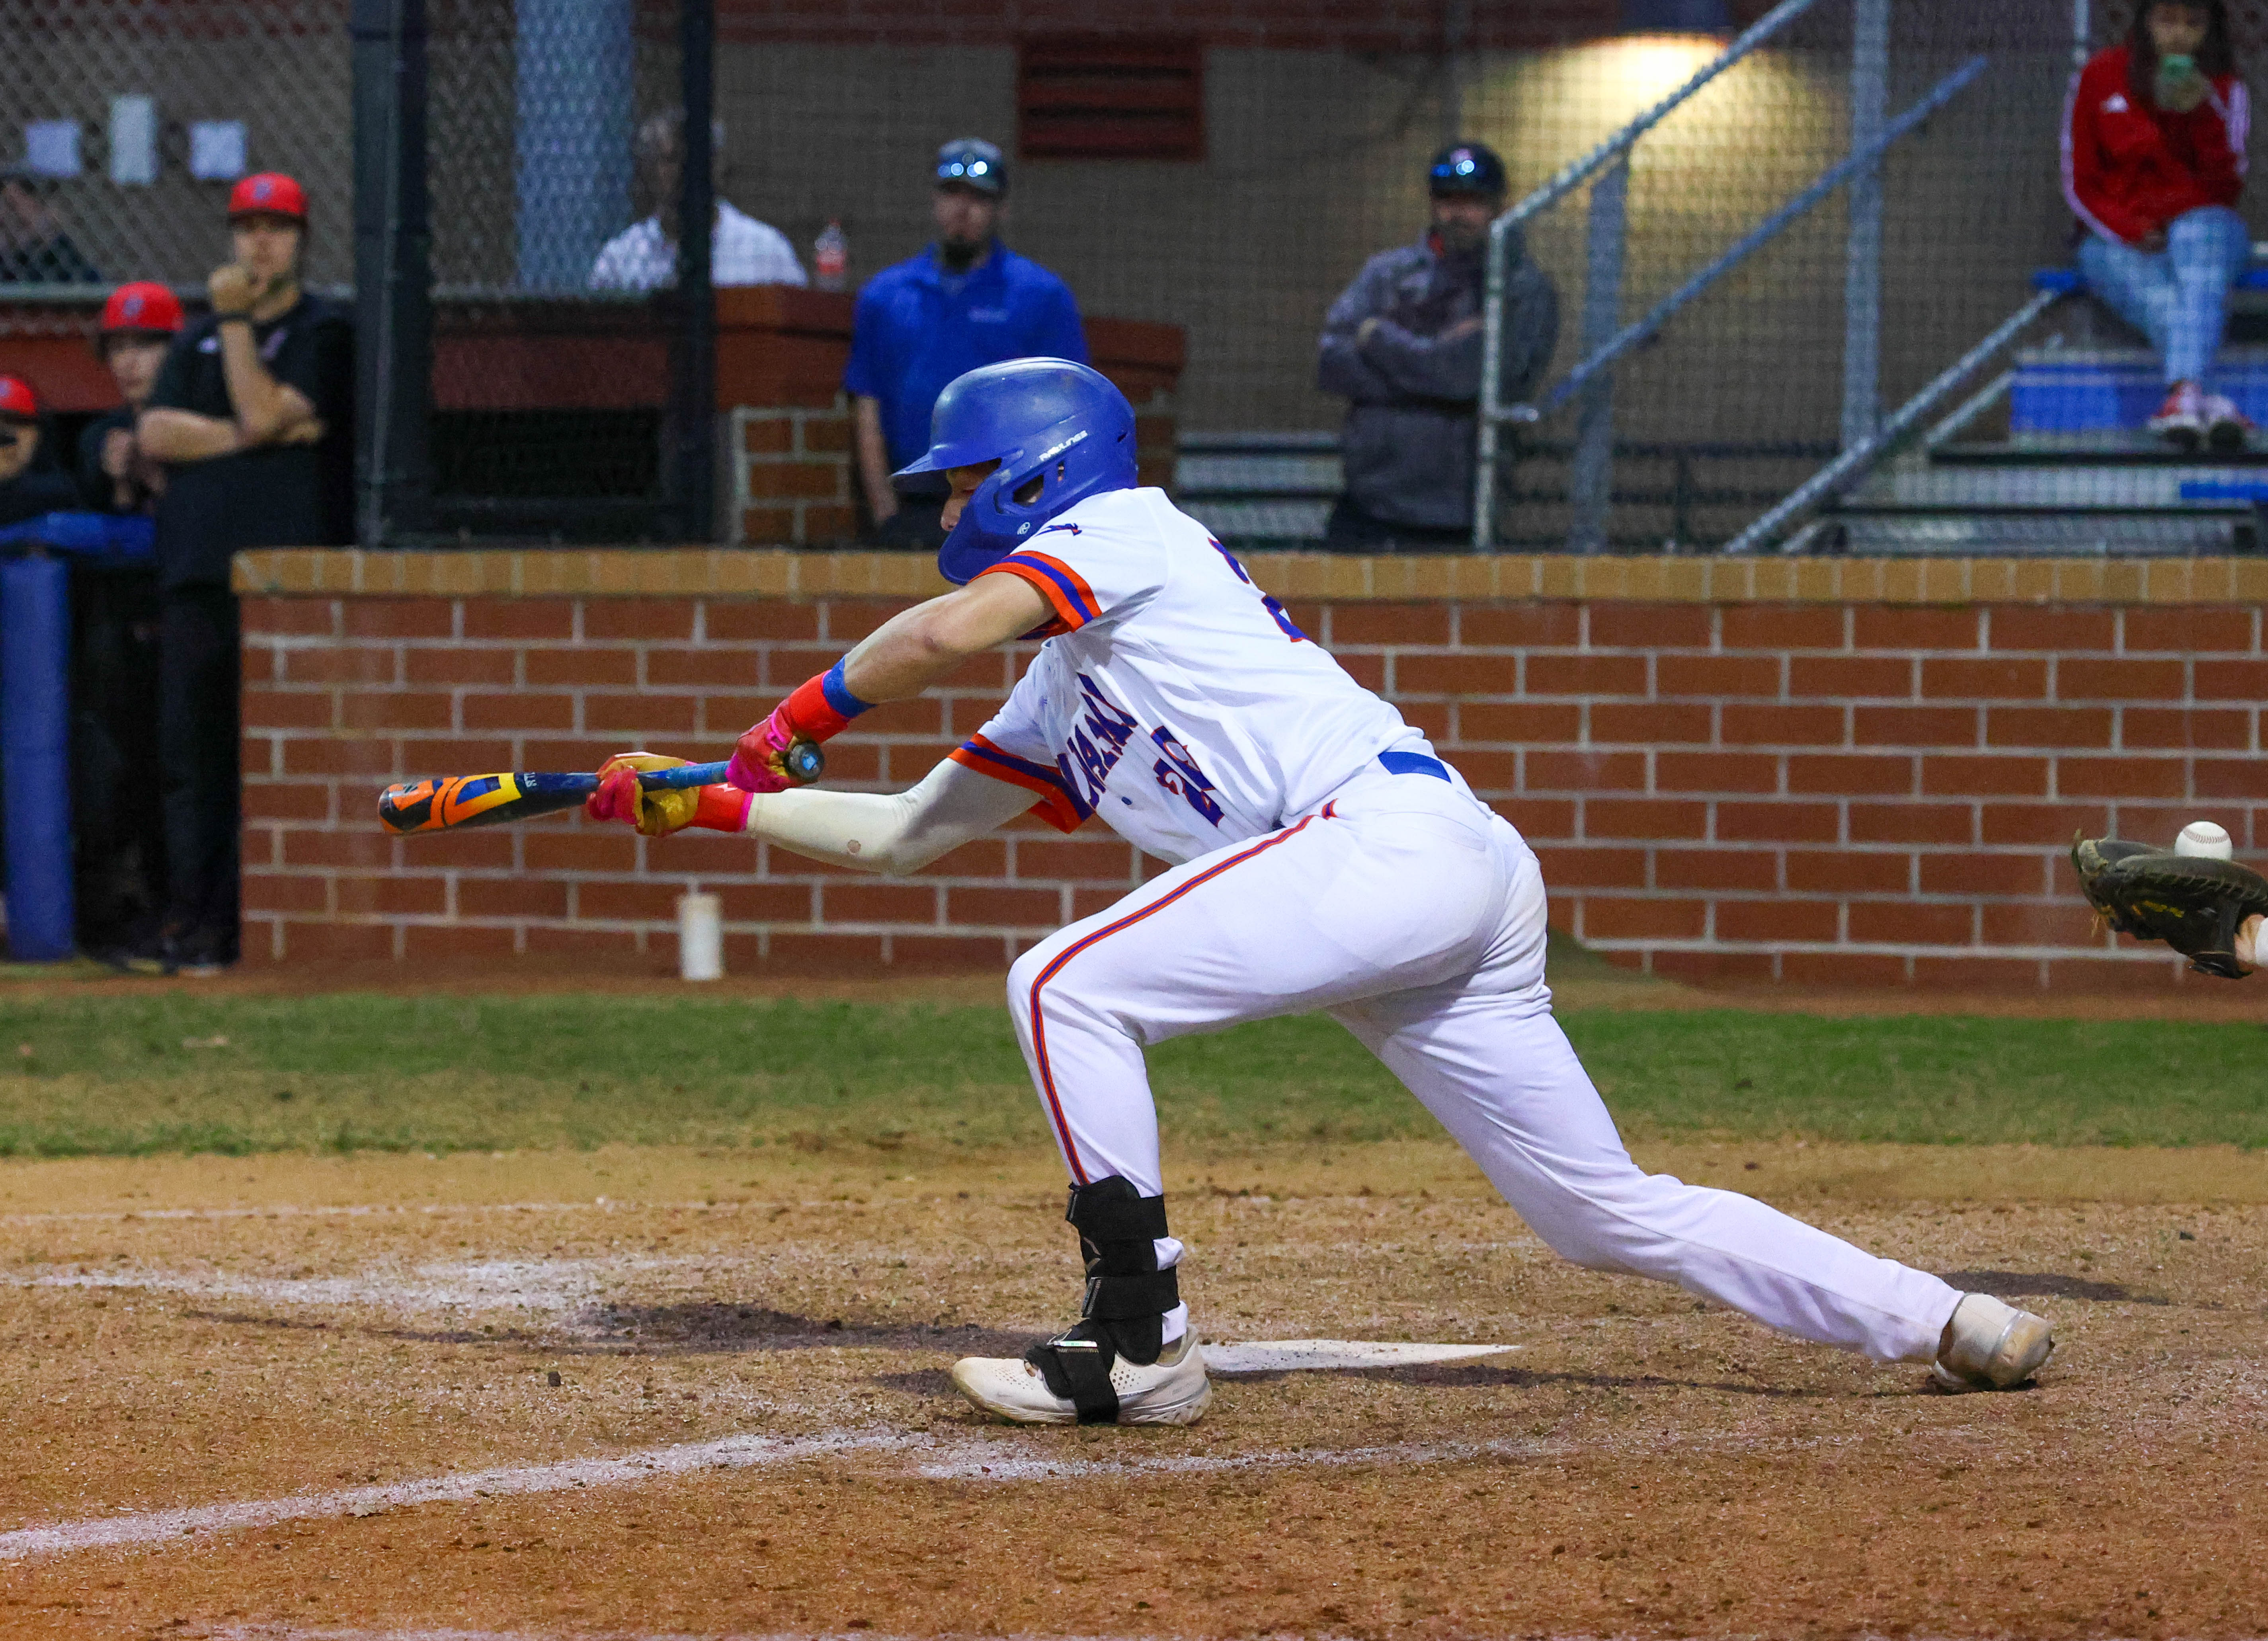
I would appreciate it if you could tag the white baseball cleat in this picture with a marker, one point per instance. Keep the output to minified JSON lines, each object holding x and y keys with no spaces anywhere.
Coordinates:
{"x":1172,"y":1390}
{"x":1991,"y":1346}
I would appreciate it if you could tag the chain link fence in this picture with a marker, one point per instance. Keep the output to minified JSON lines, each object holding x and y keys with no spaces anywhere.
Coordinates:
{"x":537,"y":108}
{"x":1759,"y":331}
{"x":123,"y":123}
{"x":1302,"y":160}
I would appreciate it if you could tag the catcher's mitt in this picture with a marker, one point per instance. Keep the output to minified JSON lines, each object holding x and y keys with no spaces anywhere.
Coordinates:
{"x":2194,"y":903}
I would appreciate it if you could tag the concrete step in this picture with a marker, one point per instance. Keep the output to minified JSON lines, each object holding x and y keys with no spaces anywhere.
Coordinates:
{"x":1259,"y":489}
{"x":2058,"y":486}
{"x":2099,"y":447}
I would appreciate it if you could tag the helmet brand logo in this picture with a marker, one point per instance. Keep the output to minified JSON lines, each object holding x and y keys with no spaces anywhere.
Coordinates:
{"x":1049,"y":455}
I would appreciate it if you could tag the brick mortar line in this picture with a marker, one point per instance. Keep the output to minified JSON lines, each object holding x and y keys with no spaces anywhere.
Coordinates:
{"x":2081,"y":584}
{"x":2021,"y":953}
{"x":1814,"y":948}
{"x":636,"y":926}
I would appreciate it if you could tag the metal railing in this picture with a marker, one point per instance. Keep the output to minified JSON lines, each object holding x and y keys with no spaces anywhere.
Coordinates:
{"x":1608,"y":219}
{"x":1605,"y":339}
{"x":1857,"y":458}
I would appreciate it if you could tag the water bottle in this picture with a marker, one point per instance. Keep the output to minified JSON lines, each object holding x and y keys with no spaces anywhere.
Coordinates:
{"x":830,"y":256}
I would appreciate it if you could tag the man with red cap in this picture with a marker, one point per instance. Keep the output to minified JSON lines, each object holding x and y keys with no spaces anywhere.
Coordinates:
{"x":249,"y":416}
{"x":31,"y":482}
{"x":139,"y":323}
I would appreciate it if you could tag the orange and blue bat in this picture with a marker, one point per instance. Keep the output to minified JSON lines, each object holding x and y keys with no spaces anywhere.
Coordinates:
{"x":451,"y":803}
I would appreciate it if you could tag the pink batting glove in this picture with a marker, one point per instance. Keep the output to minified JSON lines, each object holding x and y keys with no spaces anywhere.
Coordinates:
{"x":617,"y":799}
{"x":758,"y":757}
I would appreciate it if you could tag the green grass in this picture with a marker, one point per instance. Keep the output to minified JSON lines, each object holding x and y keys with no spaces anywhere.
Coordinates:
{"x":112,"y":1076}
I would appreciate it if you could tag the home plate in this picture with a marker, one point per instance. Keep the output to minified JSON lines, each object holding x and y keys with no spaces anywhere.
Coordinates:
{"x":1289,"y":1355}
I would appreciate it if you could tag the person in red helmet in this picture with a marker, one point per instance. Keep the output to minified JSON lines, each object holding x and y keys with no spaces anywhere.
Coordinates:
{"x":249,"y":416}
{"x":31,"y":482}
{"x":139,"y":323}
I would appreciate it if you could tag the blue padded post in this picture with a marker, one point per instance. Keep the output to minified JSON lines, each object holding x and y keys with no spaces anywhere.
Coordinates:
{"x":35,"y":750}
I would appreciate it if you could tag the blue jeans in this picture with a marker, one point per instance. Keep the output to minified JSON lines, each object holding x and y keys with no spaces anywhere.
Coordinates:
{"x":2177,"y":297}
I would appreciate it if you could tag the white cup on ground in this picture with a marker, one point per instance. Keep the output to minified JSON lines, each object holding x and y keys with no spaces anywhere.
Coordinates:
{"x":700,"y":937}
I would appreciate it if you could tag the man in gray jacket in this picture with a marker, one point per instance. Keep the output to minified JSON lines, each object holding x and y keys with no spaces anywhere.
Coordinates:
{"x":1403,"y":344}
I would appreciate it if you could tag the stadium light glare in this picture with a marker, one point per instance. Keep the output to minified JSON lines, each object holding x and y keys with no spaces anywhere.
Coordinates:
{"x":1705,"y":164}
{"x":1646,"y":68}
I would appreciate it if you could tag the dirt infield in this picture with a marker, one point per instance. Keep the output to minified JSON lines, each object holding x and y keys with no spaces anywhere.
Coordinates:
{"x":638,"y":1392}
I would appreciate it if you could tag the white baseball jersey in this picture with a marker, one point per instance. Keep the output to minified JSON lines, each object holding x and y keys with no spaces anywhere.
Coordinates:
{"x":742,"y":252}
{"x":1173,"y":698}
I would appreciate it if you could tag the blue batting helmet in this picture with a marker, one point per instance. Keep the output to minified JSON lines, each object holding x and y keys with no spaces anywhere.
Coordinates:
{"x":1047,"y":422}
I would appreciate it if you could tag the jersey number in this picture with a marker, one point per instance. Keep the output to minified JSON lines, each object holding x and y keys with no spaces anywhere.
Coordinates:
{"x":1178,"y":773}
{"x":1268,"y":599}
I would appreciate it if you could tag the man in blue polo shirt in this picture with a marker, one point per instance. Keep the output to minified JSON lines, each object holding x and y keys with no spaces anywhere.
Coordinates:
{"x":966,"y":301}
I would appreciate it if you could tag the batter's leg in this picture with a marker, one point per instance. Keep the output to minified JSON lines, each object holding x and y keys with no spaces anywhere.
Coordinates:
{"x":1339,"y":906}
{"x":1403,"y":890}
{"x":1501,"y":1075}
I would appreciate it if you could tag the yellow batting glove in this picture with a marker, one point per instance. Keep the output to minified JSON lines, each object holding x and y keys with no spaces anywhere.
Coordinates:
{"x":621,"y":796}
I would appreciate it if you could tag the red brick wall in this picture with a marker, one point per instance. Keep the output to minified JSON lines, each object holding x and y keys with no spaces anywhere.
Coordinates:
{"x":1853,"y":793}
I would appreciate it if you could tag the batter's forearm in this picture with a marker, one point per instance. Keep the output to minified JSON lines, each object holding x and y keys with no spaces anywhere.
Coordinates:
{"x":888,"y":833}
{"x":903,"y":657}
{"x":916,"y":648}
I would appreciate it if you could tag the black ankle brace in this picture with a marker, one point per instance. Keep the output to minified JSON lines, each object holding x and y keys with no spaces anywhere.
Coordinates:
{"x":1123,"y":1311}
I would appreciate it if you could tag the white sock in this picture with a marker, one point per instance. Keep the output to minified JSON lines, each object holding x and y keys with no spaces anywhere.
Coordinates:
{"x":1176,"y":1324}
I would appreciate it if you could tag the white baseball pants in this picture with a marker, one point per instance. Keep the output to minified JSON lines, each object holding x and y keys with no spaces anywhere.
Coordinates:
{"x":1415,"y":916}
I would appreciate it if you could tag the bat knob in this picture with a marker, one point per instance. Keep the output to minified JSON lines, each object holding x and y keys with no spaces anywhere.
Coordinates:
{"x":804,"y":762}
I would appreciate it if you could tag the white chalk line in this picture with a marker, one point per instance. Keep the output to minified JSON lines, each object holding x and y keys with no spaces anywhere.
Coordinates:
{"x":729,"y":1453}
{"x":405,"y":1210}
{"x":554,"y":1287}
{"x":967,"y":1459}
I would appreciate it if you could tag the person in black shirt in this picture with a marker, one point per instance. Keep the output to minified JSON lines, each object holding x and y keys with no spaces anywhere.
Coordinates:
{"x":116,"y":816}
{"x":139,"y":322}
{"x":249,"y":416}
{"x":32,"y":482}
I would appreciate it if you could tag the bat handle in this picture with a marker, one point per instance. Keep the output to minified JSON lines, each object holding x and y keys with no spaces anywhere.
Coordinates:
{"x":804,"y":762}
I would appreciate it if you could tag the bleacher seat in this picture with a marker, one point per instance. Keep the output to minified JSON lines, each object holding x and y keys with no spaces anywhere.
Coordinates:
{"x":2108,"y":385}
{"x":2066,"y":280}
{"x":1256,"y":491}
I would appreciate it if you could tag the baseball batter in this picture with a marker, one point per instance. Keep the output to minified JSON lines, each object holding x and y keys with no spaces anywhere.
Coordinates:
{"x":1327,"y":859}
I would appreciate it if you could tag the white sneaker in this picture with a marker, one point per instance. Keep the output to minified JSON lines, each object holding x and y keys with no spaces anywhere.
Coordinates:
{"x":2181,"y":420}
{"x":1172,"y":1390}
{"x":1991,"y":1346}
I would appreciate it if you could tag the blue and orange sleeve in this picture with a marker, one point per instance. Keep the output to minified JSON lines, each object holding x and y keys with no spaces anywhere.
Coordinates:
{"x":1059,"y":806}
{"x":1064,"y":589}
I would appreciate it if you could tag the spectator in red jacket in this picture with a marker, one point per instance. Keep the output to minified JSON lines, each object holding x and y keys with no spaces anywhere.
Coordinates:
{"x":2153,"y":164}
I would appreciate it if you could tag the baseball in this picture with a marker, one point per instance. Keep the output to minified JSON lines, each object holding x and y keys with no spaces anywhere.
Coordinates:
{"x":2203,"y":837}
